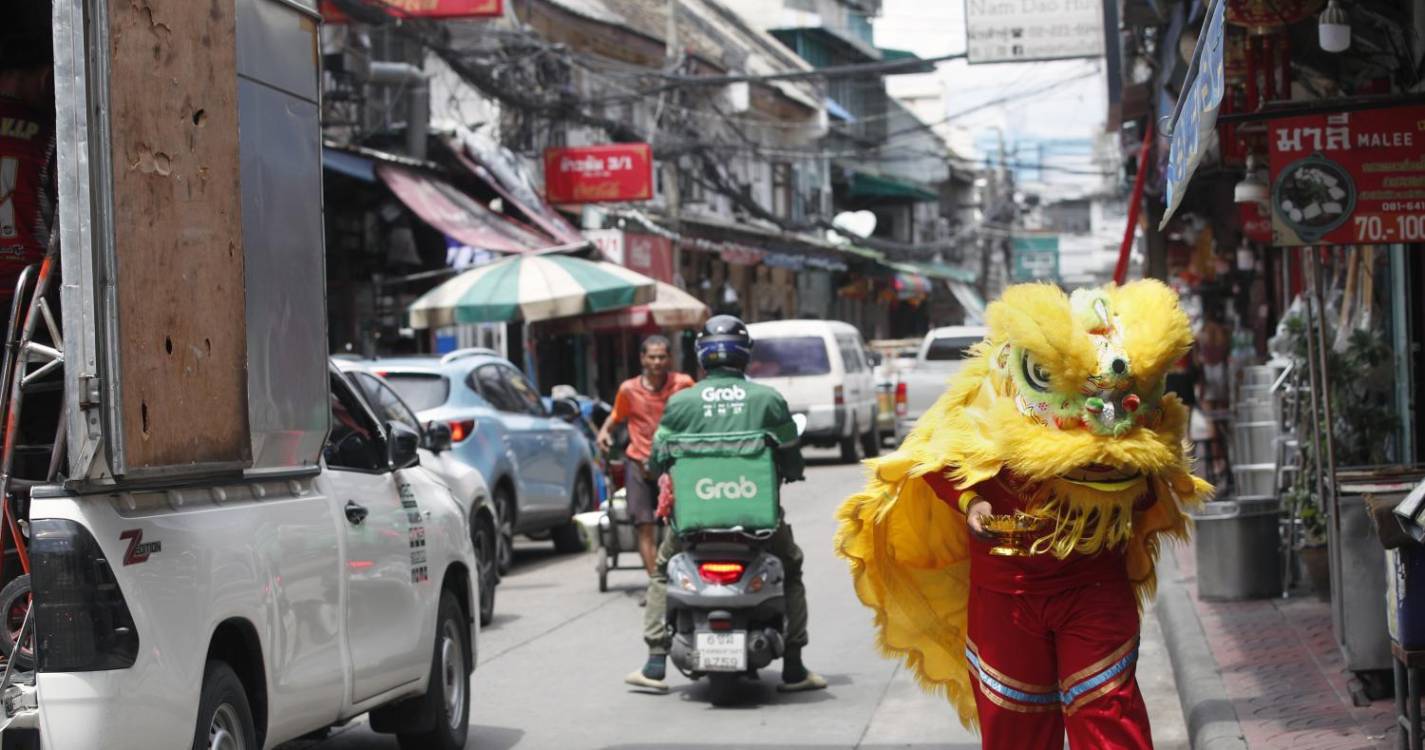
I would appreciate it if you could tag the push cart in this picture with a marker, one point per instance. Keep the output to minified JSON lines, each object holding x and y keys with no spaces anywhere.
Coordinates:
{"x":616,"y":531}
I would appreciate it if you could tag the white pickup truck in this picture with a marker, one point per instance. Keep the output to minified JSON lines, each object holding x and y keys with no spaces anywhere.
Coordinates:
{"x":941,"y":355}
{"x":226,"y":547}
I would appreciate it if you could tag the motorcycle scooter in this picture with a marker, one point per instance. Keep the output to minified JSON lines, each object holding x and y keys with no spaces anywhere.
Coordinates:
{"x":726,"y":603}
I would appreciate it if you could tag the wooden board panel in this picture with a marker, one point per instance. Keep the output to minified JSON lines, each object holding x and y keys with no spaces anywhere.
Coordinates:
{"x":178,"y":232}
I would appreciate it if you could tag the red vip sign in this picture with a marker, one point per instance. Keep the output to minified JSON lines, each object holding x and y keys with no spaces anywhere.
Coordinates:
{"x":421,"y":9}
{"x":599,"y":174}
{"x":1349,"y":178}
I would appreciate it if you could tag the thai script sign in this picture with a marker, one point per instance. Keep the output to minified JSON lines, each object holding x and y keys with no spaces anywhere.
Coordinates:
{"x":421,"y":9}
{"x":599,"y":174}
{"x":1036,"y":258}
{"x":1349,"y":178}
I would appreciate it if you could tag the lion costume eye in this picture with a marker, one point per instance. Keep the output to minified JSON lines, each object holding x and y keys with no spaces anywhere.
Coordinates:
{"x":1035,"y":374}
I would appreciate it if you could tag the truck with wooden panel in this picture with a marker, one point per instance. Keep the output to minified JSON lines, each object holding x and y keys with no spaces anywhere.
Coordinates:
{"x":222,"y":545}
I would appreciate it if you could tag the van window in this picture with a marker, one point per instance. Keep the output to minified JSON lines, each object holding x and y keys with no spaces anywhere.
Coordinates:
{"x":794,"y":356}
{"x":944,"y":349}
{"x":850,"y":354}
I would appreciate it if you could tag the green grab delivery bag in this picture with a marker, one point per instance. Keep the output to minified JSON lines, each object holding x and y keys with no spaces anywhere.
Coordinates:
{"x":723,"y":481}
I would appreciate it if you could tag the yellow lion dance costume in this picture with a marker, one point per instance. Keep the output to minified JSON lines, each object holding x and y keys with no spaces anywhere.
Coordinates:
{"x":1057,"y":426}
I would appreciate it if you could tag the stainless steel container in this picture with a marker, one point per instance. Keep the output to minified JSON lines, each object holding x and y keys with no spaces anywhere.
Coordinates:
{"x":1256,"y":442}
{"x":1238,"y":544}
{"x":1255,"y":480}
{"x":1260,"y":375}
{"x":1255,"y":411}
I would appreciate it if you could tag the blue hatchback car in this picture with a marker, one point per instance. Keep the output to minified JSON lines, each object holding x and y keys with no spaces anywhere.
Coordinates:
{"x":538,"y":466}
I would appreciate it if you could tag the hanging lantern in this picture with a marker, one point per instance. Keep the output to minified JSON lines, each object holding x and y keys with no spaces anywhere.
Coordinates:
{"x":1264,"y":16}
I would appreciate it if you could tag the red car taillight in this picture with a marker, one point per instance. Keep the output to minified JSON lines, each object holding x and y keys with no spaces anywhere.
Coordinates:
{"x":721,"y":573}
{"x":461,"y":429}
{"x":902,"y":406}
{"x":838,"y":396}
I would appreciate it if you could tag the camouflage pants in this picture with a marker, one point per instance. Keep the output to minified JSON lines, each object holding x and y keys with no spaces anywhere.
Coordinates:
{"x":656,"y":632}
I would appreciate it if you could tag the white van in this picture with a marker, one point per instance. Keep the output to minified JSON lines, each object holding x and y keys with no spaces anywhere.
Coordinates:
{"x":822,"y":368}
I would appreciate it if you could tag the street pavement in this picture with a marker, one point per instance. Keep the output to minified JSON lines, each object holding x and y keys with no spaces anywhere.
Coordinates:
{"x":551,"y":665}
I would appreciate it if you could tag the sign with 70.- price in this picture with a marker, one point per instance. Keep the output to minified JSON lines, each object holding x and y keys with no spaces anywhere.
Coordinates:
{"x":1349,"y":178}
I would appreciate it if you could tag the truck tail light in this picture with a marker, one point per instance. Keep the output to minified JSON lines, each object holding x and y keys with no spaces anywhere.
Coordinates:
{"x":721,"y":573}
{"x":461,"y":429}
{"x":838,"y":396}
{"x":82,"y":623}
{"x":902,"y":405}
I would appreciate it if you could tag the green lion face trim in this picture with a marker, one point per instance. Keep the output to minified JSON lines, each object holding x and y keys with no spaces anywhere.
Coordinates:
{"x":1109,"y":403}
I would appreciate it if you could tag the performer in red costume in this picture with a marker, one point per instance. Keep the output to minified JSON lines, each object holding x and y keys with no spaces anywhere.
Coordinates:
{"x":1007,"y":546}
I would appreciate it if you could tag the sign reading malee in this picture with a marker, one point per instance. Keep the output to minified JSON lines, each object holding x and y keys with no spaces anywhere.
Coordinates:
{"x":1349,"y":178}
{"x":599,"y":174}
{"x":420,"y":9}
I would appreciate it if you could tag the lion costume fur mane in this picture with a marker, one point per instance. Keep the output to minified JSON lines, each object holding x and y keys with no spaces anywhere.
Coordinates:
{"x":909,"y":551}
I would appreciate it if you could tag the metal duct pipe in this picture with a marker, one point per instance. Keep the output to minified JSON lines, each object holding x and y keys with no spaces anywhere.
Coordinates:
{"x":417,"y":104}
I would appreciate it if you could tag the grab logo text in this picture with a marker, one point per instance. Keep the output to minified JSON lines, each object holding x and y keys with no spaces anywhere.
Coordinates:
{"x":724,"y":401}
{"x":710,"y":489}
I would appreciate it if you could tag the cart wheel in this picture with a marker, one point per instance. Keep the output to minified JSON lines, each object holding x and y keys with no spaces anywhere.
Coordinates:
{"x":602,"y":566}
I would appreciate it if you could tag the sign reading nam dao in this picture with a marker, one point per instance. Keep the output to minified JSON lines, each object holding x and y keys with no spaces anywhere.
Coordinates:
{"x":599,"y":174}
{"x":1036,"y":258}
{"x":1349,"y":178}
{"x":1022,"y":30}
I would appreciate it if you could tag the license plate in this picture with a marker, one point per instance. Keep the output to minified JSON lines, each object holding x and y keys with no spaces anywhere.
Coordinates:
{"x":722,"y":652}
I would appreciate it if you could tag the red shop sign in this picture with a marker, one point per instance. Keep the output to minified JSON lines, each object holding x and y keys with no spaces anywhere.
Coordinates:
{"x":599,"y":174}
{"x":1349,"y":178}
{"x":1256,"y":222}
{"x":421,"y":9}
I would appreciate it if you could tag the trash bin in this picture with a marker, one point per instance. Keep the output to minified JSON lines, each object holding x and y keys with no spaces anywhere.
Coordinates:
{"x":1238,"y":545}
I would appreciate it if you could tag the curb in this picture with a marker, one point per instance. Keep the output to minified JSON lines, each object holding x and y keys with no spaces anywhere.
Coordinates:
{"x":1211,"y":720}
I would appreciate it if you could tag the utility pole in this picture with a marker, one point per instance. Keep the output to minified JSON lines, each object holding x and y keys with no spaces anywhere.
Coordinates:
{"x":671,"y":198}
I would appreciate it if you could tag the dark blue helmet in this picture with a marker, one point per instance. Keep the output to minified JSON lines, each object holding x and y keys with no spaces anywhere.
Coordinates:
{"x":724,"y":342}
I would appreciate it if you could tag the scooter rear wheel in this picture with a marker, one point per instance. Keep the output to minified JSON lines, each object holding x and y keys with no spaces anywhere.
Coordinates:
{"x":722,"y":688}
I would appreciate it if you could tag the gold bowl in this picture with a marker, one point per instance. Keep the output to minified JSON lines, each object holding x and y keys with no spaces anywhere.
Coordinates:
{"x":1013,"y":533}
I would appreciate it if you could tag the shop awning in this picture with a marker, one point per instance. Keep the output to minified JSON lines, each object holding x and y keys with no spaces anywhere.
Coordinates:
{"x":351,"y":165}
{"x":458,"y":215}
{"x":970,"y":299}
{"x":938,"y":271}
{"x":867,"y":186}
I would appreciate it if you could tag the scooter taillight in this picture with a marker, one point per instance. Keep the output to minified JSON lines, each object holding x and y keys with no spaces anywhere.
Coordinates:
{"x":721,"y":573}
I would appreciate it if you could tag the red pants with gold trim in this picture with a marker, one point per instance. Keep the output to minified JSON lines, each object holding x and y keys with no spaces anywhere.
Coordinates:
{"x":1048,"y":664}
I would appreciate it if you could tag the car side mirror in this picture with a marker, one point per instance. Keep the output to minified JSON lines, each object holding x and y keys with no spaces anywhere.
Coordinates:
{"x":403,"y":446}
{"x":566,"y":409}
{"x":875,"y":358}
{"x":438,"y":437}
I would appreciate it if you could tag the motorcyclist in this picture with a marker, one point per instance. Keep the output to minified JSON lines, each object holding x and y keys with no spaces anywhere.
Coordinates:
{"x":724,"y":350}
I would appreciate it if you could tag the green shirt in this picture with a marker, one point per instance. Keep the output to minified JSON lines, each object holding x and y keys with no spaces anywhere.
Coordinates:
{"x":726,"y":402}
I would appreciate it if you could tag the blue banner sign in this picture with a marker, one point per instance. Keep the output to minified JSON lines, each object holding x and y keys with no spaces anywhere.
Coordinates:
{"x":1198,"y":113}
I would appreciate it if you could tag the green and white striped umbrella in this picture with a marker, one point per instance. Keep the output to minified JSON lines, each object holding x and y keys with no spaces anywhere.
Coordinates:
{"x":531,"y":288}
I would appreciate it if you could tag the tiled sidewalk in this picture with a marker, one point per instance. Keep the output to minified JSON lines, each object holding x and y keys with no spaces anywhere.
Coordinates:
{"x":1285,"y":675}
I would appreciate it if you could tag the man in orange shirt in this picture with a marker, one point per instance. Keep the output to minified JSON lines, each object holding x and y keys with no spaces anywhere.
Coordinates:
{"x":640,"y":402}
